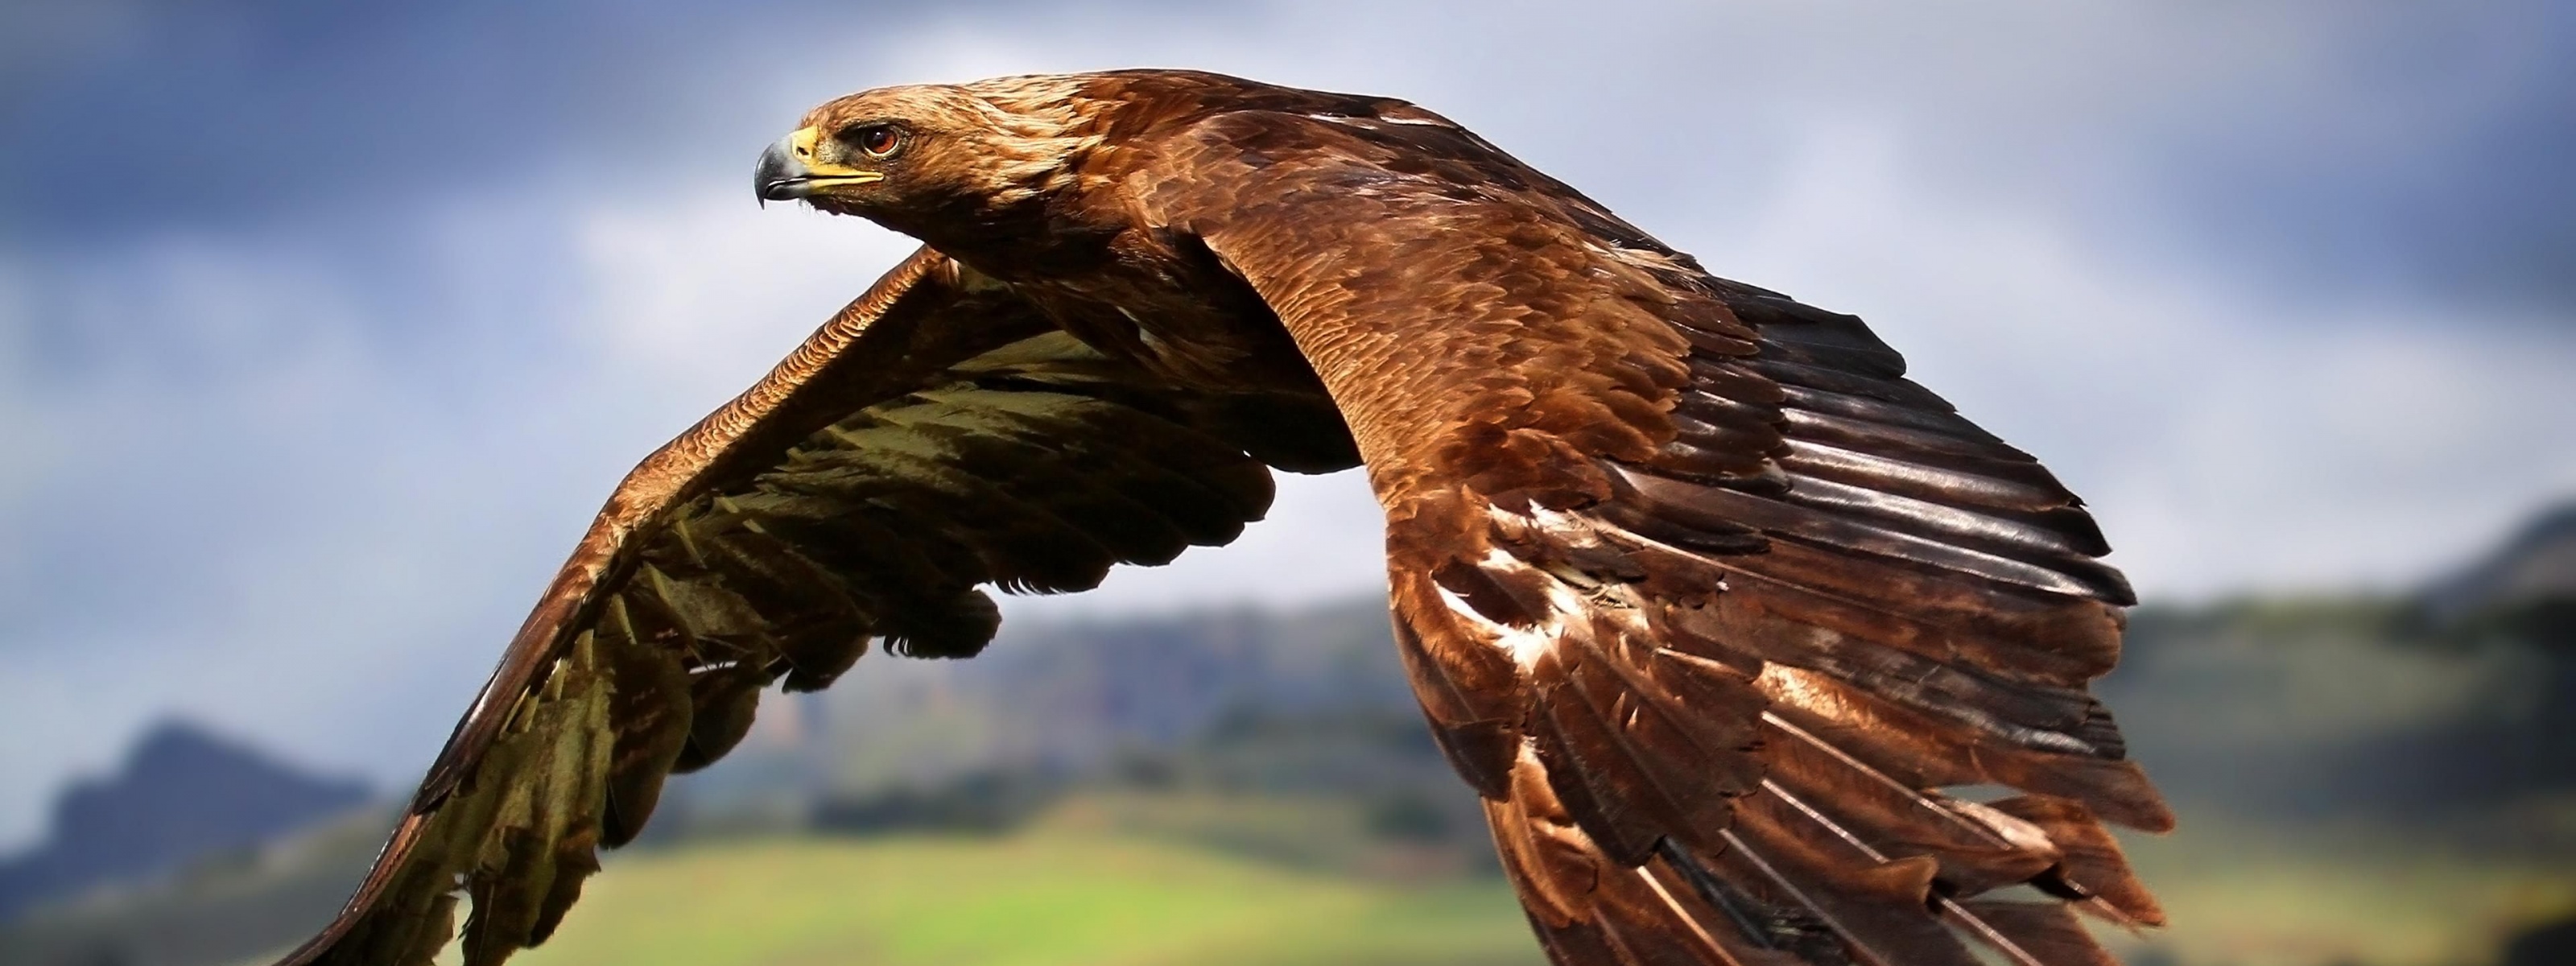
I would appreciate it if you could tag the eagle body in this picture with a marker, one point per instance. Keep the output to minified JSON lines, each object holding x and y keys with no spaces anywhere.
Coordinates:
{"x":1716,"y":611}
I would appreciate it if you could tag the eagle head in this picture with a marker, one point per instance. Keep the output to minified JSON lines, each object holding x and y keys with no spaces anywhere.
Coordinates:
{"x":930,"y":159}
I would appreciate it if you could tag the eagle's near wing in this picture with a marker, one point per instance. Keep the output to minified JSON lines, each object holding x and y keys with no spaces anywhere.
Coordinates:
{"x":936,"y":435}
{"x":1728,"y":622}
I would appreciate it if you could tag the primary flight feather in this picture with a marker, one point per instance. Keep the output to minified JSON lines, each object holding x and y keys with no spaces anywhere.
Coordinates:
{"x":1708,"y":602}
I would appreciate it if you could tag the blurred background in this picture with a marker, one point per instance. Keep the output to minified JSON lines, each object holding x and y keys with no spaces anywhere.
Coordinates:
{"x":324,"y":328}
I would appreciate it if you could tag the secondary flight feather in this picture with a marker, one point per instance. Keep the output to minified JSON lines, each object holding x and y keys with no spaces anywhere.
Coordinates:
{"x":1718,"y":612}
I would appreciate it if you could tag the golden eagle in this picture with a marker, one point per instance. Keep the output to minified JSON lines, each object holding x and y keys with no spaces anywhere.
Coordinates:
{"x":1717,"y":612}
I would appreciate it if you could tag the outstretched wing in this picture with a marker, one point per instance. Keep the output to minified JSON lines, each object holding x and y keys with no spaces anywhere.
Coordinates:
{"x":1730,"y":624}
{"x":936,"y":435}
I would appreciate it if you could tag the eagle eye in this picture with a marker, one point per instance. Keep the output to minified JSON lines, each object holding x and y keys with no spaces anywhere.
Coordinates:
{"x":875,"y":140}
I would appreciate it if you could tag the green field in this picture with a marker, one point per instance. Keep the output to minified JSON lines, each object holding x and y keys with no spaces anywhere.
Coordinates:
{"x":1059,"y":897}
{"x":2331,"y":894}
{"x":1177,"y":880}
{"x":1038,"y":899}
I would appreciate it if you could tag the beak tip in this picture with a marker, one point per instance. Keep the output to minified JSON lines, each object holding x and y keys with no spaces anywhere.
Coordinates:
{"x":774,"y":179}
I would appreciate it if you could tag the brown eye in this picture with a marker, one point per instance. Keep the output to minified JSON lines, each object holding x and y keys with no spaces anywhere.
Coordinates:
{"x":878,"y":140}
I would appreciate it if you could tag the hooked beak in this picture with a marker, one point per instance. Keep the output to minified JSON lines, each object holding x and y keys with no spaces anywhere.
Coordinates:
{"x":788,"y":170}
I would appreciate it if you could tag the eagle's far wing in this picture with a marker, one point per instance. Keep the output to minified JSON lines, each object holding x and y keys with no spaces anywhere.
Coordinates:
{"x":1730,"y":624}
{"x":936,"y":435}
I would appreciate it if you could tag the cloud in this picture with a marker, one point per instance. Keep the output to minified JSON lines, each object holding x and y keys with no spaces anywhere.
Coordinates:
{"x":301,"y":419}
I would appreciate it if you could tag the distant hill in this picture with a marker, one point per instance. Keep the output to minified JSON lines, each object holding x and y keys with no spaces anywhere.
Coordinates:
{"x":182,"y":795}
{"x":1052,"y":704}
{"x":1065,"y":697}
{"x":1068,"y":696}
{"x":2524,"y":590}
{"x":2456,"y":700}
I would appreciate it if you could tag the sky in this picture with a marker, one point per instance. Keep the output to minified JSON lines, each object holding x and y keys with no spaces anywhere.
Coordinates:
{"x":325,"y":327}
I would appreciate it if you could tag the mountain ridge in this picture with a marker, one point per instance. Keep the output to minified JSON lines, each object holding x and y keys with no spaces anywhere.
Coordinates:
{"x":182,"y":793}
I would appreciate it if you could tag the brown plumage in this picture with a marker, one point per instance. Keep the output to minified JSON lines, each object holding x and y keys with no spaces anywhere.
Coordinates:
{"x":1711,"y":605}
